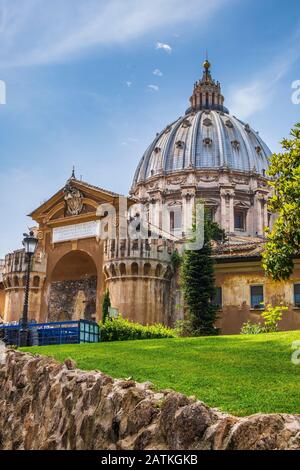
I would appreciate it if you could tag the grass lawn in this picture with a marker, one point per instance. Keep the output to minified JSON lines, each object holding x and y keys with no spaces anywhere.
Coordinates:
{"x":238,"y":374}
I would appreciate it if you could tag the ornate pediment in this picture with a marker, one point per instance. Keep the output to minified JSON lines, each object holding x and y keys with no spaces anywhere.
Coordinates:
{"x":242,"y":204}
{"x":76,"y":200}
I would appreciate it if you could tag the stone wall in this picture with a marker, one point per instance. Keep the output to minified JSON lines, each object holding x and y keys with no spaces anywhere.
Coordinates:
{"x":73,"y":300}
{"x":46,"y":405}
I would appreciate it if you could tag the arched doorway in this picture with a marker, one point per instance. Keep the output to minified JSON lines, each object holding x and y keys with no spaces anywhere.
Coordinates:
{"x":73,"y":288}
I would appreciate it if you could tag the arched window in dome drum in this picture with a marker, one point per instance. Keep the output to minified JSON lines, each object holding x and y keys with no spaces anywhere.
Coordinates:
{"x":240,"y":220}
{"x":176,"y":220}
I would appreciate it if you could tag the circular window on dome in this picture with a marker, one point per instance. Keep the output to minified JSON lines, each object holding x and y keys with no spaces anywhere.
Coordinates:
{"x":207,"y":122}
{"x":179,"y":144}
{"x":235,"y":144}
{"x":186,"y":123}
{"x":207,"y":141}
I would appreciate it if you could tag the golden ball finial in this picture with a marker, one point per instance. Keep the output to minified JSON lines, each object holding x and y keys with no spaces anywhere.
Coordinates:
{"x":206,"y":64}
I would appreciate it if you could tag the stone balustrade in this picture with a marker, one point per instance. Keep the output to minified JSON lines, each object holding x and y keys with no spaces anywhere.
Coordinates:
{"x":152,"y":249}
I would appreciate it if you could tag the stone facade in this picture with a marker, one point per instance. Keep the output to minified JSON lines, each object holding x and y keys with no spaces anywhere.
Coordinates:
{"x":45,"y":405}
{"x":236,"y":274}
{"x":231,"y":197}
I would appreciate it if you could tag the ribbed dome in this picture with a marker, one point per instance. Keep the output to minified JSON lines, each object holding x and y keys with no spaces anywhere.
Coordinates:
{"x":207,"y":137}
{"x":204,"y":139}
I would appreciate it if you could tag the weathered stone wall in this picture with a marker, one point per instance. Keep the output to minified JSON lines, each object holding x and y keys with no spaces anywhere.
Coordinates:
{"x":2,"y":301}
{"x":46,"y":405}
{"x":73,"y":300}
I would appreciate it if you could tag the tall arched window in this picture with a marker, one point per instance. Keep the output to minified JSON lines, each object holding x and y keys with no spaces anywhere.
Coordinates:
{"x":134,"y":269}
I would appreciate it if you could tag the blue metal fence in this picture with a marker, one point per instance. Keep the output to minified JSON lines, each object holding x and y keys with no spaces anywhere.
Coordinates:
{"x":44,"y":334}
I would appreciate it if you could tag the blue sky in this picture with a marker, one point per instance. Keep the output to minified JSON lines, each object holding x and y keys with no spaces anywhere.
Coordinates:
{"x":81,"y":87}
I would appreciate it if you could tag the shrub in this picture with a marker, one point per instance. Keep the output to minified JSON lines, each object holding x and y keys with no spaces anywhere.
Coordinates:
{"x":251,"y":328}
{"x":185,"y":329}
{"x":272,"y":316}
{"x":120,"y":329}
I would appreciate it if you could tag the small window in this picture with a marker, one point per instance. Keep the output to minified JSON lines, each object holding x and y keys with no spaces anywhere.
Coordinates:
{"x":218,"y":301}
{"x":240,"y":220}
{"x":297,"y":295}
{"x":257,"y":297}
{"x":175,"y":219}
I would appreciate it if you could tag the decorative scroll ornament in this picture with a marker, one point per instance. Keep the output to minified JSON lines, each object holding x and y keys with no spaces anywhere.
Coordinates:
{"x":207,"y":178}
{"x":73,"y":199}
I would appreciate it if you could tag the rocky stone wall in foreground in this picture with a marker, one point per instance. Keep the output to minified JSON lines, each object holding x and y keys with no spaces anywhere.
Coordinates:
{"x":47,"y":405}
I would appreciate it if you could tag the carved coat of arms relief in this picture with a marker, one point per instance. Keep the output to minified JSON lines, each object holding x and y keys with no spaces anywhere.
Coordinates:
{"x":73,"y":200}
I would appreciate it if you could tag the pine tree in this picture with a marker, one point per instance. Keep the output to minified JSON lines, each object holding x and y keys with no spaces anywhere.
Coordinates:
{"x":198,"y":283}
{"x":105,"y":306}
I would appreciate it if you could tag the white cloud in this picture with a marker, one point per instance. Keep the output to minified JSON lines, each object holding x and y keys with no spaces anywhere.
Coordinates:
{"x":153,"y":87}
{"x":166,"y":47}
{"x":128,"y":83}
{"x":157,"y":72}
{"x":254,"y":96}
{"x":40,"y":31}
{"x":250,"y":98}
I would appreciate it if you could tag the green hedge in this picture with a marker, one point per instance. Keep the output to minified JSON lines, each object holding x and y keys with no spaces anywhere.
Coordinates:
{"x":120,"y":329}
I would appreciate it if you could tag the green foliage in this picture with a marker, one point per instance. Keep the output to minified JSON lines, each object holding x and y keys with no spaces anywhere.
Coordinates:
{"x":176,"y":259}
{"x":284,"y":240}
{"x":198,"y":285}
{"x":272,"y":316}
{"x":213,"y":231}
{"x":184,"y":328}
{"x":105,"y":306}
{"x":249,"y":328}
{"x":120,"y":329}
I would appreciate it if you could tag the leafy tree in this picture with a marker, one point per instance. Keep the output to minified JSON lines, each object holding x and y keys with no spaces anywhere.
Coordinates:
{"x":284,"y":240}
{"x":198,"y":284}
{"x":105,"y":306}
{"x":272,"y":316}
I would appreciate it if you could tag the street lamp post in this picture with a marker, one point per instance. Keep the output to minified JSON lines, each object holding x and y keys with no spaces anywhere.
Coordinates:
{"x":30,"y":244}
